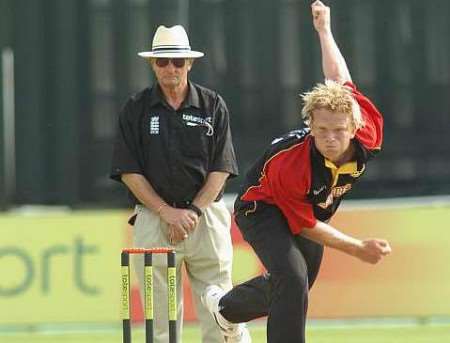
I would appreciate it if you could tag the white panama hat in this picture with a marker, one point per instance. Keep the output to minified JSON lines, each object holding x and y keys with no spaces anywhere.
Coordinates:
{"x":171,"y":42}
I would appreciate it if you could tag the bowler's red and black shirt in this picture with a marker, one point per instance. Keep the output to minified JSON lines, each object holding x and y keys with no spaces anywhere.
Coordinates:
{"x":294,"y":176}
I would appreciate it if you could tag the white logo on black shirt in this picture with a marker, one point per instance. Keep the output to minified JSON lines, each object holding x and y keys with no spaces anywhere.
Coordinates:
{"x":198,"y":121}
{"x":154,"y":125}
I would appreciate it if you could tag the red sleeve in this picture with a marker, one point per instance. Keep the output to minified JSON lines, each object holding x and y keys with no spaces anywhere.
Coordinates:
{"x":299,"y":213}
{"x":290,"y":184}
{"x":371,"y":135}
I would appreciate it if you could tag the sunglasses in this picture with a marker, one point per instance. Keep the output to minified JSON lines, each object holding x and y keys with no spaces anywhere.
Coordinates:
{"x":164,"y":62}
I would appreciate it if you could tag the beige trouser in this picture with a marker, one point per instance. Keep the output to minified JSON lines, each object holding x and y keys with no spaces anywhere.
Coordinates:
{"x":207,"y":255}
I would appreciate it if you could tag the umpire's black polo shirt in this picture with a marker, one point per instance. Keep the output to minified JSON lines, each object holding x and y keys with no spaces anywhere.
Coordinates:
{"x":174,"y":150}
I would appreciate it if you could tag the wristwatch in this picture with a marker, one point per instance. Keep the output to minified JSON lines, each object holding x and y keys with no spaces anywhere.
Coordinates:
{"x":196,"y":209}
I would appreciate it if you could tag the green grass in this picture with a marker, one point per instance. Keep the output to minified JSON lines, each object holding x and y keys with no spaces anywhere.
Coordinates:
{"x":347,"y":334}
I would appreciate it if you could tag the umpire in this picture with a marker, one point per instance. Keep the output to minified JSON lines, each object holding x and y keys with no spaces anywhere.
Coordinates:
{"x":174,"y":152}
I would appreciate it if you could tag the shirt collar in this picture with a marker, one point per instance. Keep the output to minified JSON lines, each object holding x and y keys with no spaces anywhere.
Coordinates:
{"x":192,"y":99}
{"x":347,"y":168}
{"x":354,"y":168}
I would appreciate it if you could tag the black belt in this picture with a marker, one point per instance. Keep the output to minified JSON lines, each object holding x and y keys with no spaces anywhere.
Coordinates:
{"x":186,"y":203}
{"x":180,"y":204}
{"x":176,"y":204}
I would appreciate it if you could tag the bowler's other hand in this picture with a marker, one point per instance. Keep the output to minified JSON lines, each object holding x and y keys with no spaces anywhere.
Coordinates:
{"x":321,"y":16}
{"x":183,"y":219}
{"x":373,"y":250}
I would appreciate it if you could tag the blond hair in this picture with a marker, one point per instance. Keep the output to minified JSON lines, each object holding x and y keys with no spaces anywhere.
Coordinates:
{"x":334,"y":97}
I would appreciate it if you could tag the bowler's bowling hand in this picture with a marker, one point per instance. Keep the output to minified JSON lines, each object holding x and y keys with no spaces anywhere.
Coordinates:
{"x":321,"y":16}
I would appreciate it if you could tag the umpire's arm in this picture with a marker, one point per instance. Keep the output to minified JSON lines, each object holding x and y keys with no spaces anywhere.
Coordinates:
{"x":214,"y":183}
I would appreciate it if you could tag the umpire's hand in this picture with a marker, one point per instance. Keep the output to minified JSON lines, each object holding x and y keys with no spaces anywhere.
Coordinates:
{"x":180,"y":221}
{"x":176,"y":235}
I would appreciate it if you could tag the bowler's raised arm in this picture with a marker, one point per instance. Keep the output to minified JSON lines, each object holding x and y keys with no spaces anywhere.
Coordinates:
{"x":333,"y":63}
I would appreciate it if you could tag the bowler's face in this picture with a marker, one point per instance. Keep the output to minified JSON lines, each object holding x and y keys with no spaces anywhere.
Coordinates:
{"x":170,"y":76}
{"x":332,"y":133}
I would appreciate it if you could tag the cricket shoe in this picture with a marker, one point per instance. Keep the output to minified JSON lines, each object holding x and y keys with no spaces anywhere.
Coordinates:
{"x":232,"y":333}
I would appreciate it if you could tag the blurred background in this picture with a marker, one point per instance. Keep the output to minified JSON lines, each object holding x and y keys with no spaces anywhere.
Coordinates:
{"x":75,"y":64}
{"x":67,"y":67}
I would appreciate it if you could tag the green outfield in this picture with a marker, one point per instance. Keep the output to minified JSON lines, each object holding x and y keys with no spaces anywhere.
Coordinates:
{"x":348,"y":334}
{"x":57,"y":278}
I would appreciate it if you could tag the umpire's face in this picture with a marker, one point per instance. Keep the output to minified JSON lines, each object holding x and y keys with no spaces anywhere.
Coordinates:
{"x":171,"y":72}
{"x":332,"y":133}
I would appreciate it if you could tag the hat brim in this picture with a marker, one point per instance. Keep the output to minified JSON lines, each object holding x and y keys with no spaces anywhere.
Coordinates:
{"x":171,"y":54}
